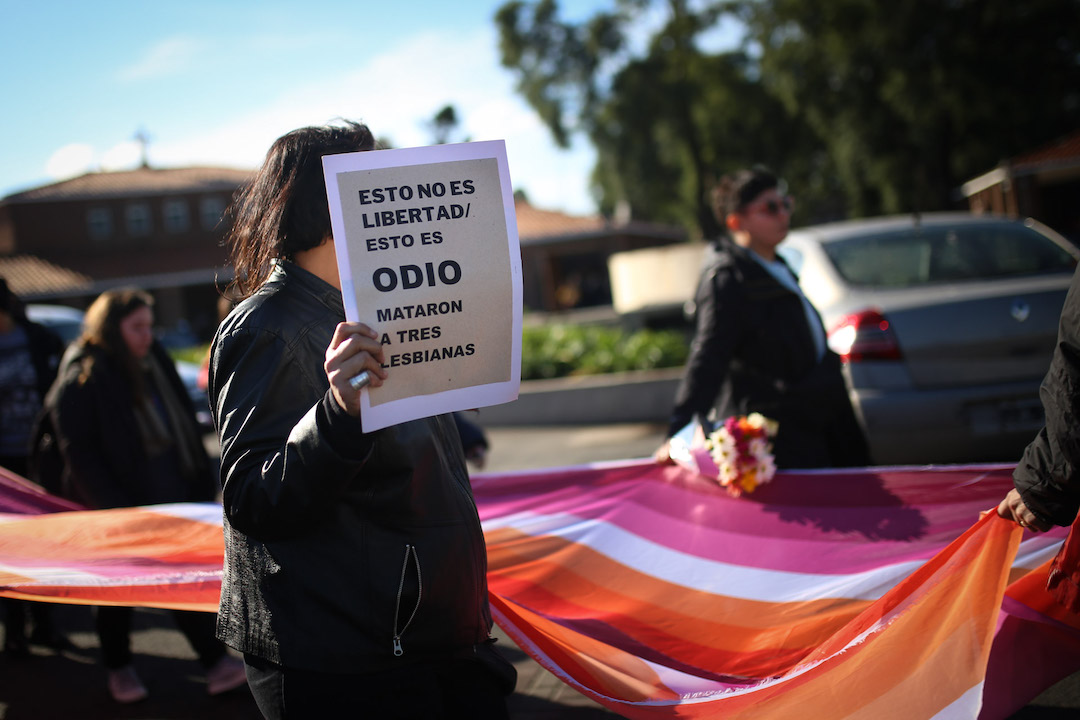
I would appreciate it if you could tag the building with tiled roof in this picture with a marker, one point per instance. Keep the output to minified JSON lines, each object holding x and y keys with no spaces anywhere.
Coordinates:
{"x":564,"y":257}
{"x":1043,"y":183}
{"x":32,"y":278}
{"x":135,"y":183}
{"x":160,"y":229}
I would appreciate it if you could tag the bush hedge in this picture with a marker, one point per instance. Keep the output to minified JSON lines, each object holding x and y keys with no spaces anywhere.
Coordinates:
{"x":559,"y":350}
{"x":551,"y":351}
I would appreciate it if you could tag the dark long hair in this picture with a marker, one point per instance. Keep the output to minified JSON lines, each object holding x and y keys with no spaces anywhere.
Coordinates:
{"x":101,"y":335}
{"x":736,"y":190}
{"x":283,"y":210}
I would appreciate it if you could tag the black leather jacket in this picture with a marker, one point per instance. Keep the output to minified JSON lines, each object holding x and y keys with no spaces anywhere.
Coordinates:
{"x":344,"y":551}
{"x":1048,"y":475}
{"x":753,"y":351}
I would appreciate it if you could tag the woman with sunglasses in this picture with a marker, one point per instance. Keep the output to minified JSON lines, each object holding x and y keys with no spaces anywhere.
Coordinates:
{"x":759,"y":345}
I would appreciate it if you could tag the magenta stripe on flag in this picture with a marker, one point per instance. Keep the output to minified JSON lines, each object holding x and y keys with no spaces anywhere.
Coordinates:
{"x":872,"y":527}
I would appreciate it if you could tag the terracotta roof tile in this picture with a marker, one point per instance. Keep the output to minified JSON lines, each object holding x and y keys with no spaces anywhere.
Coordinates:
{"x":29,"y":276}
{"x":537,"y":226}
{"x":534,"y":222}
{"x":534,"y":225}
{"x":1064,"y":150}
{"x":142,"y":181}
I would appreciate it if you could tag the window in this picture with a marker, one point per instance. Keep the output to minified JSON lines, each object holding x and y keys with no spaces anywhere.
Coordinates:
{"x":947,"y":254}
{"x":211,"y":210}
{"x":176,"y":216}
{"x":137,"y":217}
{"x":99,"y":223}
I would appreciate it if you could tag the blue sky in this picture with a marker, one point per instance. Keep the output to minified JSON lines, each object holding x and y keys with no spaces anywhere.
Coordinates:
{"x":214,"y":83}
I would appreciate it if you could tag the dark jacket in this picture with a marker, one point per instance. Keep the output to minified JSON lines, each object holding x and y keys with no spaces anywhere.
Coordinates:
{"x":340,"y":547}
{"x":45,"y":349}
{"x":753,"y":351}
{"x":1048,"y":475}
{"x":105,"y":463}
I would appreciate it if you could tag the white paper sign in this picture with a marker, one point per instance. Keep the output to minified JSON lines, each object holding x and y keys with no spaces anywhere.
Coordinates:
{"x":428,"y":255}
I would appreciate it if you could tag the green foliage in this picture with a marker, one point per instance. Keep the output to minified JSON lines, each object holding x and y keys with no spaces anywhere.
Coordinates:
{"x":195,"y":354}
{"x":550,"y":351}
{"x":913,"y":98}
{"x":865,"y":107}
{"x":444,"y":126}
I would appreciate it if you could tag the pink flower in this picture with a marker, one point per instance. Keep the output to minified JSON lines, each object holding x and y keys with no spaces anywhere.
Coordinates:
{"x":742,"y":452}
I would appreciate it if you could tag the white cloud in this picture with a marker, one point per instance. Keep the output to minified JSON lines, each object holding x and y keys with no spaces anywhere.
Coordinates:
{"x":69,"y":161}
{"x":396,"y":94}
{"x":168,"y":57}
{"x":124,"y":156}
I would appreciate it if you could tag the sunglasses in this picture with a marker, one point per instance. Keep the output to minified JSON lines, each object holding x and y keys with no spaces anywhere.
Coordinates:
{"x":773,"y":207}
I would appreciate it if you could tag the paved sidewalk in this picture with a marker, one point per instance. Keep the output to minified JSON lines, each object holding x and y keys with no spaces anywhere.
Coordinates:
{"x":71,"y":684}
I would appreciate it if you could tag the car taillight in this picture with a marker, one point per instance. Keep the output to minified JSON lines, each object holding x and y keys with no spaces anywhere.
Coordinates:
{"x":865,"y":335}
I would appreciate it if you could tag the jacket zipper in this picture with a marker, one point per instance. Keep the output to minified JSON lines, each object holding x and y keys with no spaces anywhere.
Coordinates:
{"x":410,"y":552}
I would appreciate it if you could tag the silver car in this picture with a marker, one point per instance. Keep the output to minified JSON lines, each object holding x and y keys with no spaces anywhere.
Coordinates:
{"x":946,"y":322}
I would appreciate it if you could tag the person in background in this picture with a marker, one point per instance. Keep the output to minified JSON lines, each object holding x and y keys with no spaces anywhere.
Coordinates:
{"x":127,"y":434}
{"x":1046,"y":481}
{"x":355,"y":566}
{"x":29,"y":356}
{"x":473,"y":440}
{"x":759,"y":345}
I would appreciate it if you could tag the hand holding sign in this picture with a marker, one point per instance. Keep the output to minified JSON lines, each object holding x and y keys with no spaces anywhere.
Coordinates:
{"x":354,"y":351}
{"x":428,"y":257}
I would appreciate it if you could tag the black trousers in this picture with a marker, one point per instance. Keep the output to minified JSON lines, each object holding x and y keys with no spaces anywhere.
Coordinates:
{"x":16,"y":614}
{"x":445,"y":690}
{"x":114,"y":634}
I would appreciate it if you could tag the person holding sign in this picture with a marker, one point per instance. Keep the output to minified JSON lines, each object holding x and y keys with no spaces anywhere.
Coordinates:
{"x":355,"y":565}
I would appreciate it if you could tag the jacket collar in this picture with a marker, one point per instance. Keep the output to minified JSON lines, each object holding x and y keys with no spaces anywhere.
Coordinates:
{"x":750,"y":260}
{"x":308,"y":282}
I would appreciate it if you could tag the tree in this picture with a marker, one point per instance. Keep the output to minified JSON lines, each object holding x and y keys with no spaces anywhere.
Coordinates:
{"x":911,"y":99}
{"x":665,"y":121}
{"x":444,"y":125}
{"x":866,"y":107}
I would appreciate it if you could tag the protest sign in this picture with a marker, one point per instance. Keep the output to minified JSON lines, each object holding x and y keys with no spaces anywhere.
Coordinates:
{"x":428,"y":256}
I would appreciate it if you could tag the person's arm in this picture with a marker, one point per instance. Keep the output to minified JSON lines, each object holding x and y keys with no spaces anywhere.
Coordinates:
{"x":1047,"y":487}
{"x":473,"y":441}
{"x":717,"y":327}
{"x":288,"y":447}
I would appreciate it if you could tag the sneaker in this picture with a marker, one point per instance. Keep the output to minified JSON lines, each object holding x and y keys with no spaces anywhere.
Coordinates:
{"x":227,"y":674}
{"x":125,"y":686}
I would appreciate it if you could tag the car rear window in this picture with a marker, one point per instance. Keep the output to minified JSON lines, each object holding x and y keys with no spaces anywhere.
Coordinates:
{"x":946,"y":254}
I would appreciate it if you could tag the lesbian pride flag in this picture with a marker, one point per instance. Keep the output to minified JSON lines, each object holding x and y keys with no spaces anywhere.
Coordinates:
{"x":872,"y":593}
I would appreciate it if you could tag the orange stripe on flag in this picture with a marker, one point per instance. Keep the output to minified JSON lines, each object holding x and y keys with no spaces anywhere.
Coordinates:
{"x":916,"y":651}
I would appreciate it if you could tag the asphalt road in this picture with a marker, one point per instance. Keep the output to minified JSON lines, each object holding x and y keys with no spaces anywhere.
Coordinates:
{"x":71,"y":684}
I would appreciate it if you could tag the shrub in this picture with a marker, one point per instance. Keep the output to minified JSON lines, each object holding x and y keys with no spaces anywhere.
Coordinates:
{"x":550,"y":351}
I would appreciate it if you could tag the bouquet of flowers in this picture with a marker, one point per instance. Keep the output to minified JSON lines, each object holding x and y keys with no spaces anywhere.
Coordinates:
{"x":742,"y":451}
